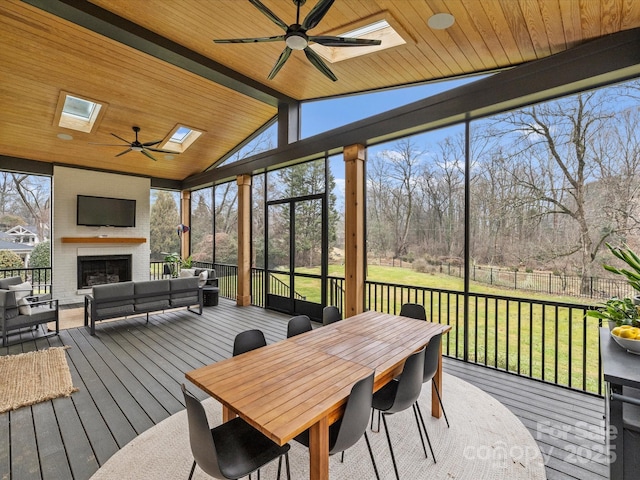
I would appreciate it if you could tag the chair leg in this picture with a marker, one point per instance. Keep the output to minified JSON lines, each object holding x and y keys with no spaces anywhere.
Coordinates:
{"x":415,"y":414}
{"x":373,"y":461}
{"x":441,"y":405}
{"x":342,"y":457}
{"x":193,"y":467}
{"x":379,"y":414}
{"x":393,"y":457}
{"x":286,"y":461}
{"x":425,"y":431}
{"x":279,"y":466}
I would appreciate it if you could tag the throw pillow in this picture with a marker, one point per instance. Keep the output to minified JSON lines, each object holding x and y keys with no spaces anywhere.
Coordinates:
{"x":22,"y":290}
{"x":23,"y":306}
{"x":202,"y":278}
{"x":187,"y":272}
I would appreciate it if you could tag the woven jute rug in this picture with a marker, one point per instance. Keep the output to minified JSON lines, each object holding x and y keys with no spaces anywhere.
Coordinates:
{"x":485,"y":441}
{"x":33,"y":377}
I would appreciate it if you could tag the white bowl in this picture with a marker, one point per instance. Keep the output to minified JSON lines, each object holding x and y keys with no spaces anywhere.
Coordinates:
{"x":631,"y":346}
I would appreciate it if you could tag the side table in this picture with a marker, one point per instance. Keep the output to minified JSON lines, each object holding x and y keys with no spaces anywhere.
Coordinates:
{"x":210,"y":296}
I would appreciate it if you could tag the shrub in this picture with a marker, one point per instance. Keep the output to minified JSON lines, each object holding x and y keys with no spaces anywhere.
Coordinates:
{"x":9,"y":260}
{"x":41,"y":257}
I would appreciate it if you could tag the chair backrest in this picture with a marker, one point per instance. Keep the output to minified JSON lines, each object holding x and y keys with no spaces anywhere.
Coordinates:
{"x":297,"y":325}
{"x":431,"y":358}
{"x":413,"y":310}
{"x":247,"y":341}
{"x":356,"y":415}
{"x":410,"y":383}
{"x":330,"y":314}
{"x":202,"y":446}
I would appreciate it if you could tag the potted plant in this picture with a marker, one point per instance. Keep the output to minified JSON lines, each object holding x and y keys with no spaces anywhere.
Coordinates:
{"x":632,"y":274}
{"x":172,"y":263}
{"x":617,"y":311}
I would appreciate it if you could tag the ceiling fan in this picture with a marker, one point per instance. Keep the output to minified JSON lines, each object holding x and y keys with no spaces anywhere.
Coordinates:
{"x":137,"y":146}
{"x":296,"y":37}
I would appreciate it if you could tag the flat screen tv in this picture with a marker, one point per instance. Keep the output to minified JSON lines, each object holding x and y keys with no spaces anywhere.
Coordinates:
{"x":106,"y":212}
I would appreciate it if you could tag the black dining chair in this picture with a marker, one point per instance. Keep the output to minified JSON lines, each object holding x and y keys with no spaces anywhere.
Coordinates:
{"x":413,"y":310}
{"x":399,"y":395}
{"x":346,"y":432}
{"x":431,"y":360}
{"x":297,"y":325}
{"x":231,"y":450}
{"x":247,"y":341}
{"x":330,"y":314}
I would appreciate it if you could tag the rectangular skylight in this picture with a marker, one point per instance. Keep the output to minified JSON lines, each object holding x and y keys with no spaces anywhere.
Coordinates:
{"x":77,"y":112}
{"x":375,"y":28}
{"x":180,"y":138}
{"x":79,"y":107}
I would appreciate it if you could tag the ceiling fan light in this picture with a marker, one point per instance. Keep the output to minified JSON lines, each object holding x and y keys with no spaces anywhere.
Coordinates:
{"x":440,"y":21}
{"x":136,"y":149}
{"x":296,"y":41}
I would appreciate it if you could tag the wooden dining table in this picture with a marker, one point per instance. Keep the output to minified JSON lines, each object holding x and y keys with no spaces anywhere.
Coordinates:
{"x":303,"y":382}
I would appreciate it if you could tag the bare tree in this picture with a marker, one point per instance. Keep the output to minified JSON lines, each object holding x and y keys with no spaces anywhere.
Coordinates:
{"x":35,"y":195}
{"x":395,"y":171}
{"x":557,"y":154}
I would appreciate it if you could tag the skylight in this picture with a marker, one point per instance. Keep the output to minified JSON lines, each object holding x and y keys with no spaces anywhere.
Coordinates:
{"x":180,"y":138}
{"x":77,"y":112}
{"x":376,"y":28}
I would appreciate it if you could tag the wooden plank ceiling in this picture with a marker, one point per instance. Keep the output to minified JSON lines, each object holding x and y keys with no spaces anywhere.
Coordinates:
{"x":44,"y":54}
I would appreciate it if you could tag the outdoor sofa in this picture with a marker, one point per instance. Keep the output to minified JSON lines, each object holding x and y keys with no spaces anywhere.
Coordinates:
{"x":122,"y":299}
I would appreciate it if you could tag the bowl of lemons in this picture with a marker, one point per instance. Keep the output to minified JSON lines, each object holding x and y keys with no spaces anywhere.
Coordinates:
{"x":627,"y":337}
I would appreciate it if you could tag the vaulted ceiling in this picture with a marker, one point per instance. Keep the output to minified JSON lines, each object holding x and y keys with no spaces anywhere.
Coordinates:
{"x":154,"y":64}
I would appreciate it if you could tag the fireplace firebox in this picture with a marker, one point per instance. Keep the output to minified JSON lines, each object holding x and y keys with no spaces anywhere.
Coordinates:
{"x":98,"y":270}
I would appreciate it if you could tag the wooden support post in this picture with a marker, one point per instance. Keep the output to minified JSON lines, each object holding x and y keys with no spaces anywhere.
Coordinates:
{"x":185,"y":219}
{"x":354,"y":158}
{"x":244,"y":240}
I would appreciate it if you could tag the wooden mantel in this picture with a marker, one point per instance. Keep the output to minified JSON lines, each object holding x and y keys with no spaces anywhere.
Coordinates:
{"x":103,"y":240}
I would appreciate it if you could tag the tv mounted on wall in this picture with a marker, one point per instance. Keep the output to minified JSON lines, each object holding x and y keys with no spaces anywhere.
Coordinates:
{"x":106,"y":212}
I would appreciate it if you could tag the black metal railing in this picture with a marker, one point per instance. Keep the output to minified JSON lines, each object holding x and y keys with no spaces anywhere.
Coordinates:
{"x":39,"y":278}
{"x":553,"y":342}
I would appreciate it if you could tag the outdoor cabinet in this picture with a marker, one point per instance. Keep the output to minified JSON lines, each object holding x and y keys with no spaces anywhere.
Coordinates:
{"x":622,"y":405}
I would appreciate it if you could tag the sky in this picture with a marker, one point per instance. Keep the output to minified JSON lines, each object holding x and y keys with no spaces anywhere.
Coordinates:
{"x":322,"y":115}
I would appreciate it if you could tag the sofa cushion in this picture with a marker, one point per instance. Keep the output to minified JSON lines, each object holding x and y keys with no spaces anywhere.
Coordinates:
{"x":8,"y":304}
{"x":22,"y":290}
{"x":187,"y":272}
{"x":189,"y":297}
{"x":117,"y":307}
{"x":151,"y":302}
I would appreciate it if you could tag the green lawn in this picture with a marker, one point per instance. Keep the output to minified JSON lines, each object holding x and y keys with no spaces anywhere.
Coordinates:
{"x":534,"y":334}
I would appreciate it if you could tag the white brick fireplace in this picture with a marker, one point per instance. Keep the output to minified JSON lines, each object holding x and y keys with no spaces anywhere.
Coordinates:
{"x":70,"y":240}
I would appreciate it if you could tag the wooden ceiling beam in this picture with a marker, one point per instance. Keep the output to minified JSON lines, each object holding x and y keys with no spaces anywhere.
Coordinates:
{"x":105,"y":23}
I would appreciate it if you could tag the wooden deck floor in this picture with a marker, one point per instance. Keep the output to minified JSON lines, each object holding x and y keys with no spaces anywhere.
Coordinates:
{"x":129,"y":379}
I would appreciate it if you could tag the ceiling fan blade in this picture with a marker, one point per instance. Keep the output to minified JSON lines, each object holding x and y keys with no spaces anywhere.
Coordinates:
{"x":283,"y":58}
{"x":122,"y":139}
{"x":317,"y":62}
{"x":110,"y":144}
{"x":122,"y":153}
{"x":250,"y":40}
{"x":161,"y":151}
{"x":151,"y":144}
{"x":316,"y":14}
{"x":328,"y":41}
{"x":144,"y":152}
{"x":268,"y":13}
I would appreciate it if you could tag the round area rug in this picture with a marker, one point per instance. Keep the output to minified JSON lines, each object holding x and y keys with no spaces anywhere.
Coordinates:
{"x":485,"y":441}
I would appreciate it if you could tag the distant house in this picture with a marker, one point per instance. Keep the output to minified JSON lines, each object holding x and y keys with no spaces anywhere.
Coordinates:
{"x":20,"y":240}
